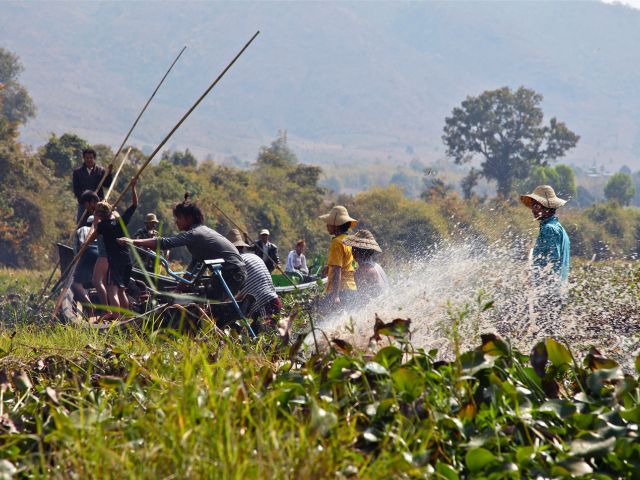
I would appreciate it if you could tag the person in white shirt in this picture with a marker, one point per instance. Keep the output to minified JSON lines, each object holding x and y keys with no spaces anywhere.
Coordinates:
{"x":296,"y":261}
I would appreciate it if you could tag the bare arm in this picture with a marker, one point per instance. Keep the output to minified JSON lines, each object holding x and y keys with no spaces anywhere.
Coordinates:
{"x":336,"y":276}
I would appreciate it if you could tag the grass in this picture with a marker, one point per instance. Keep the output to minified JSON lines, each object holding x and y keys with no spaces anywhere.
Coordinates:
{"x":76,"y":403}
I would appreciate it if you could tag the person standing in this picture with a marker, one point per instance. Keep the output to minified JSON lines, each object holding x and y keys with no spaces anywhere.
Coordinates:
{"x":87,"y":177}
{"x":112,"y":227}
{"x":267,"y":250}
{"x":296,"y":261}
{"x":150,"y":228}
{"x":341,"y":284}
{"x":84,"y":269}
{"x":551,"y":255}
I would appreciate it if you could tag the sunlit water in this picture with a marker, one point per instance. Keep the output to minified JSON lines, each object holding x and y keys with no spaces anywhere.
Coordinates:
{"x":434,"y":290}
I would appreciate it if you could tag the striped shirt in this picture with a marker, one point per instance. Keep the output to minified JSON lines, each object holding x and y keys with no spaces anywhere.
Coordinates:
{"x":259,"y":283}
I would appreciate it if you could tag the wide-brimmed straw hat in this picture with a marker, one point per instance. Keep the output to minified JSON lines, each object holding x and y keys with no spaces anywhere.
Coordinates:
{"x":151,"y":218}
{"x":545,"y":196}
{"x":362,"y":239}
{"x":338,"y":216}
{"x":235,"y":237}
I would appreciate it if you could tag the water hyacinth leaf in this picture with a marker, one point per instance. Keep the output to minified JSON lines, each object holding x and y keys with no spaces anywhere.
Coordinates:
{"x":591,"y":445}
{"x":477,"y":459}
{"x":53,"y":395}
{"x":572,"y":467}
{"x":342,"y":346}
{"x":492,"y":345}
{"x":397,"y":328}
{"x":597,"y":380}
{"x":562,"y":408}
{"x":376,"y":369}
{"x":408,"y":383}
{"x":337,"y":367}
{"x":525,"y":454}
{"x":7,"y":470}
{"x":558,"y":354}
{"x":389,"y":356}
{"x":632,"y":415}
{"x":322,"y":421}
{"x":446,"y":472}
{"x":474,"y":361}
{"x":538,"y":358}
{"x":595,"y":361}
{"x":21,"y":381}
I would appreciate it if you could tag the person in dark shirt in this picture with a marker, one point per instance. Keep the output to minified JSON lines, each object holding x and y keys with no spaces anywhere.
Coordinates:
{"x":111,"y":227}
{"x":87,"y":177}
{"x":267,"y":251}
{"x":203,"y":243}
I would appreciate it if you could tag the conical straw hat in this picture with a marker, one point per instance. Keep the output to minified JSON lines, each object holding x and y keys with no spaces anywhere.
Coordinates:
{"x":362,"y":239}
{"x":338,"y":216}
{"x":545,"y":196}
{"x":235,"y":237}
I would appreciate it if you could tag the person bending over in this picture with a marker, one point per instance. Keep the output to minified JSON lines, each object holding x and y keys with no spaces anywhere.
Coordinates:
{"x":203,"y":243}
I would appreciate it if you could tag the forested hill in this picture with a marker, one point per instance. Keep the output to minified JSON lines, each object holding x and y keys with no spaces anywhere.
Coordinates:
{"x":356,"y":81}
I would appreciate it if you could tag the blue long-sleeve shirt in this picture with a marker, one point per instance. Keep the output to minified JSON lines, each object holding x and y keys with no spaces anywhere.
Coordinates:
{"x":552,"y":247}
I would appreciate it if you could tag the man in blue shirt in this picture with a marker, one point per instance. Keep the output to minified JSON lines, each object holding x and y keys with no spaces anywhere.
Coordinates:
{"x":551,"y":251}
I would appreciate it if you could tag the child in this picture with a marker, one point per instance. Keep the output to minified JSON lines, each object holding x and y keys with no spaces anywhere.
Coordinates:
{"x":111,"y":228}
{"x":371,"y":279}
{"x":341,"y":285}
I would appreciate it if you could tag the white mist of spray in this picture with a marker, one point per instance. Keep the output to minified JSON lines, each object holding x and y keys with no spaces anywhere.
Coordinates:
{"x":493,"y":285}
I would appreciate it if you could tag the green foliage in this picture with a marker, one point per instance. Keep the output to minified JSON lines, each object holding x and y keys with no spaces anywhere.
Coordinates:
{"x":150,"y":405}
{"x":620,"y":188}
{"x":504,"y":128}
{"x":401,"y":225}
{"x":16,"y":106}
{"x":181,"y":159}
{"x":62,"y":154}
{"x":560,"y":177}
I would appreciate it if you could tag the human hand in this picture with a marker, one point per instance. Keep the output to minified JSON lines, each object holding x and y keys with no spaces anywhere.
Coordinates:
{"x":124,"y":241}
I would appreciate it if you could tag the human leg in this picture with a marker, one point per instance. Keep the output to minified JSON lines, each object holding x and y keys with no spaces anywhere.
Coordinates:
{"x":99,"y":279}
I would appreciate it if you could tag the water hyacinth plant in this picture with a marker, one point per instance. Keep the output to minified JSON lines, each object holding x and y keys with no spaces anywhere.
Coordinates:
{"x":158,"y":404}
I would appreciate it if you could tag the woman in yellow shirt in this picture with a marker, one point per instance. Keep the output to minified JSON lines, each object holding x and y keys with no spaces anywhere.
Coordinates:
{"x":341,"y":284}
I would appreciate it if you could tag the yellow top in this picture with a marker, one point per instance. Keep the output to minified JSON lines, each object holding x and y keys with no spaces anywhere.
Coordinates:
{"x":340,"y":256}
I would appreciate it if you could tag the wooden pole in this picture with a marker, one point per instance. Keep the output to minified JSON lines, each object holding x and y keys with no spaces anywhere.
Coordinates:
{"x":115,"y":177}
{"x":153,"y":154}
{"x":106,"y":173}
{"x":185,"y":116}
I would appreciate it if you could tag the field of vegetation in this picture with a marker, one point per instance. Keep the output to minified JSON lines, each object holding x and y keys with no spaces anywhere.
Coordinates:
{"x":157,"y":404}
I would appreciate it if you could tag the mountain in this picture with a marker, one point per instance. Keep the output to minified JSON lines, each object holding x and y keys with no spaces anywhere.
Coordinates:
{"x":351,"y":82}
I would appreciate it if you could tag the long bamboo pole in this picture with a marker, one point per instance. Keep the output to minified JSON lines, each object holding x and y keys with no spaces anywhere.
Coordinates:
{"x":106,"y":173}
{"x":115,"y":177}
{"x":185,"y":116}
{"x":91,"y":237}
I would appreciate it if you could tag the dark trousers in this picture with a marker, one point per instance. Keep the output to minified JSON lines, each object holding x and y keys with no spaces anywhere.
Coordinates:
{"x":235,"y":279}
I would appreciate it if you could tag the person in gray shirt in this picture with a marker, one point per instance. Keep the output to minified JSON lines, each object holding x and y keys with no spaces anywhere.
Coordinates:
{"x":203,"y":243}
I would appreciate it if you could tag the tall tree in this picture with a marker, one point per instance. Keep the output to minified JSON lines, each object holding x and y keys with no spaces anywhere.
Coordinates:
{"x":62,"y":153}
{"x":16,"y":106}
{"x":504,"y":129}
{"x":620,"y":188}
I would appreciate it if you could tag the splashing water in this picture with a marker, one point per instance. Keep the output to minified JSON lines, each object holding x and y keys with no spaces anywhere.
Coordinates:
{"x":463,"y":289}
